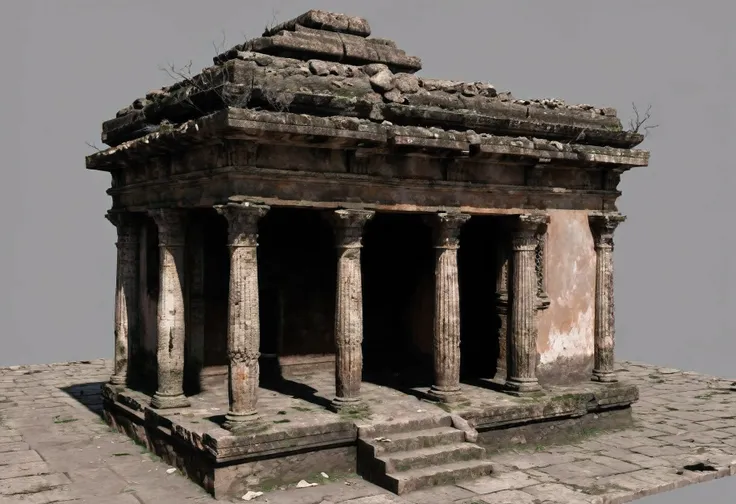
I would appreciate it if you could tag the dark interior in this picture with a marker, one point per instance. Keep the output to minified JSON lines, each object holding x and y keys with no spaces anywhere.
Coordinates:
{"x":398,"y":296}
{"x":297,"y":277}
{"x":478,"y":317}
{"x":297,"y":274}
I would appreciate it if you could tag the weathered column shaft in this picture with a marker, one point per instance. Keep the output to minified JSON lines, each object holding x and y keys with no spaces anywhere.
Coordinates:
{"x":522,"y":345}
{"x":602,"y":227}
{"x":171,"y":316}
{"x":502,"y":304}
{"x":244,"y":328}
{"x":446,"y":342}
{"x":349,"y":226}
{"x":126,"y":291}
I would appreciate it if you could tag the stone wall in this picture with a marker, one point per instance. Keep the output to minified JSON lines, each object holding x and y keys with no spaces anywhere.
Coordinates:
{"x":565,"y":341}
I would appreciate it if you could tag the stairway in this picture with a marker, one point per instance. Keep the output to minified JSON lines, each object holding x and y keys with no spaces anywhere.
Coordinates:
{"x":403,"y":457}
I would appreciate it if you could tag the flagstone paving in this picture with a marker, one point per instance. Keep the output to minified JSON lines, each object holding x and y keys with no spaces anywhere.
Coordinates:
{"x":54,"y":447}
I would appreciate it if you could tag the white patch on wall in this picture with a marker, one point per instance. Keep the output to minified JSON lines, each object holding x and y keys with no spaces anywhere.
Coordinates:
{"x":569,"y":321}
{"x":573,"y":342}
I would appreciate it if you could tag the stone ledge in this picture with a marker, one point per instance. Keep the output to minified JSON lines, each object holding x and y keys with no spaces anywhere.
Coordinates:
{"x":346,"y":132}
{"x":323,"y":20}
{"x":220,"y":443}
{"x":554,"y":404}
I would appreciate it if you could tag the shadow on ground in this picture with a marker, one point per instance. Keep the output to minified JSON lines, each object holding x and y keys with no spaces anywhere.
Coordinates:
{"x":87,"y":394}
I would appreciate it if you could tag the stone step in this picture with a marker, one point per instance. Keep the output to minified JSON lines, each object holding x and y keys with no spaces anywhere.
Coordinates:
{"x":446,"y":474}
{"x":425,"y":457}
{"x":409,"y":441}
{"x":409,"y":425}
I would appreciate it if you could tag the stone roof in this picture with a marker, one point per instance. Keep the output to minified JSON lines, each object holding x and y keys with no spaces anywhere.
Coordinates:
{"x":323,"y":64}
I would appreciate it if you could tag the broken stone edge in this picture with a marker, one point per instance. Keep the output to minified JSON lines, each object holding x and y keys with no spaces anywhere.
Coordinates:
{"x":251,"y":79}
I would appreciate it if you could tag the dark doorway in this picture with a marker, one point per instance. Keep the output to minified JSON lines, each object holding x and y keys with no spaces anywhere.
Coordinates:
{"x":398,"y":286}
{"x":478,"y":315}
{"x":297,"y":269}
{"x":216,"y":288}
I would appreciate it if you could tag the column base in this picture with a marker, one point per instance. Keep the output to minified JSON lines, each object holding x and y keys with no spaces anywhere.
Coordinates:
{"x":444,"y":394}
{"x":500,"y":376}
{"x":346,"y":404}
{"x":168,"y":401}
{"x":519,"y":387}
{"x":238,"y":423}
{"x":604,"y":376}
{"x":118,"y":380}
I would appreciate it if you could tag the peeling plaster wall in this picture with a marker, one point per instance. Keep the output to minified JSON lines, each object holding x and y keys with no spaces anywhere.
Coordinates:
{"x":565,"y":342}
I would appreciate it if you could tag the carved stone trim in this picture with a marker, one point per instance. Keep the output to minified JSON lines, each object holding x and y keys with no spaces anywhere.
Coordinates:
{"x":446,"y":228}
{"x":171,"y":223}
{"x":540,"y":258}
{"x":603,"y":225}
{"x":348,"y":225}
{"x":243,"y":219}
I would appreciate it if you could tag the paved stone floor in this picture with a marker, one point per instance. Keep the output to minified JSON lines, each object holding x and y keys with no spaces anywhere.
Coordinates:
{"x":54,"y":447}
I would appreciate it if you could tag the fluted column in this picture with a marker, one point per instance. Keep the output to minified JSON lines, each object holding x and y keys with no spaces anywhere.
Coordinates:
{"x":446,"y":342}
{"x":171,"y":317}
{"x":503,"y":263}
{"x":126,"y":290}
{"x":602,"y":227}
{"x":522,"y":344}
{"x":349,"y":226}
{"x":244,"y":327}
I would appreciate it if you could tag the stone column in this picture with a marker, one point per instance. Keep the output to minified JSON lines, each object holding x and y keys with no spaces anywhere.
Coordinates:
{"x":602,"y":227}
{"x":243,"y":327}
{"x":171,"y":316}
{"x":522,"y":344}
{"x":349,"y":226}
{"x":446,"y":343}
{"x":196,"y":305}
{"x":126,"y":291}
{"x":502,"y":304}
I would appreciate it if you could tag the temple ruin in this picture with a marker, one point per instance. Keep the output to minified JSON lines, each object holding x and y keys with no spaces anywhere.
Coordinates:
{"x":328,"y":263}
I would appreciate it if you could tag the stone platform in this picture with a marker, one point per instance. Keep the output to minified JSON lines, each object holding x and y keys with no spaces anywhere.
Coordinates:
{"x":296,"y":436}
{"x":55,"y":448}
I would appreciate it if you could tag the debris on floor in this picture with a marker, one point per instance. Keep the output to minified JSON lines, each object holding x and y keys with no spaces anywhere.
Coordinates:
{"x":250,"y":495}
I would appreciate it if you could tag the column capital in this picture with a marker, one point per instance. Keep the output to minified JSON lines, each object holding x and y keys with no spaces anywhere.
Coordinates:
{"x":349,"y":226}
{"x":242,"y":222}
{"x":127,"y":224}
{"x":602,"y":225}
{"x":171,"y":225}
{"x":526,"y":230}
{"x":446,"y":228}
{"x":122,"y":218}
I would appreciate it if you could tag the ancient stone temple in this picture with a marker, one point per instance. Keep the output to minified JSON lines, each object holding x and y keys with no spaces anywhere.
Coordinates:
{"x":327,"y":263}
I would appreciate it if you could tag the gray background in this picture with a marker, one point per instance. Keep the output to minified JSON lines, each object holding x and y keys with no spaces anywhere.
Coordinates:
{"x":68,"y":65}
